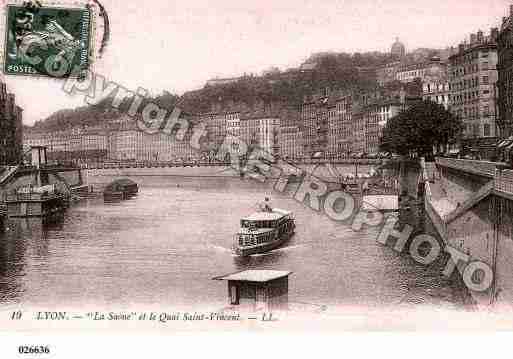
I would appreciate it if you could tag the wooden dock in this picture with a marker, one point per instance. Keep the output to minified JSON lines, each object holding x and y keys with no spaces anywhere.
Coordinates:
{"x":22,"y":205}
{"x":3,"y":217}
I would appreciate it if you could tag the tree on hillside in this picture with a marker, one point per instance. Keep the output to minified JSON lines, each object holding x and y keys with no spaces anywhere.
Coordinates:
{"x":92,"y":115}
{"x":424,"y":126}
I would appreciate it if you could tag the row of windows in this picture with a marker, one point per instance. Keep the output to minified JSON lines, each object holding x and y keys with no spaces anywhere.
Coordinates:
{"x":345,"y":106}
{"x":436,"y":87}
{"x":475,"y":111}
{"x":469,"y":83}
{"x":471,"y":69}
{"x":468,"y":96}
{"x":470,"y":57}
{"x":439,"y":99}
{"x":477,"y":130}
{"x":410,"y":74}
{"x":232,"y":116}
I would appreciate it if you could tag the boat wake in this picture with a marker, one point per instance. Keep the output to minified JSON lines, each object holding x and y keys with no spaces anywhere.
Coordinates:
{"x":278,"y":250}
{"x":290,"y":248}
{"x":220,"y":249}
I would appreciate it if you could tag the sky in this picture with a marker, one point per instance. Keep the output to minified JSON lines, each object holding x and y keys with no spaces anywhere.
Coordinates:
{"x":178,"y":45}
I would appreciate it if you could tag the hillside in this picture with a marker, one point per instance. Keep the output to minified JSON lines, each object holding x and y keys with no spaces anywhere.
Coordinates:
{"x":96,"y":114}
{"x":337,"y":71}
{"x":330,"y":70}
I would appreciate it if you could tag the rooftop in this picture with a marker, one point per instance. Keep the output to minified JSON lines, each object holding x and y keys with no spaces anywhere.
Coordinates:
{"x":266,"y":216}
{"x":481,"y":168}
{"x":253,"y":275}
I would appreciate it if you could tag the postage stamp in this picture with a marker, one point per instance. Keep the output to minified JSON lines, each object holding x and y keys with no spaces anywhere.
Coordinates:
{"x":51,"y":40}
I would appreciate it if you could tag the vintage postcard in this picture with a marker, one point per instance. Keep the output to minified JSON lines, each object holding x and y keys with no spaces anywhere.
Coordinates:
{"x":249,"y":167}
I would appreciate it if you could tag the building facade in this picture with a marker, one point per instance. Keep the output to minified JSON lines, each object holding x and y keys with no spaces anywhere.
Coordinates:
{"x":223,"y":81}
{"x":438,"y":91}
{"x":261,"y":133}
{"x":345,"y":112}
{"x":11,"y":128}
{"x":233,"y":123}
{"x":216,"y":128}
{"x":81,"y":145}
{"x":505,"y":76}
{"x":325,"y":123}
{"x":473,"y":85}
{"x":358,"y":127}
{"x":387,"y":73}
{"x":370,"y":118}
{"x":315,"y":127}
{"x":422,"y":70}
{"x":339,"y":126}
{"x":291,"y":143}
{"x":119,"y":140}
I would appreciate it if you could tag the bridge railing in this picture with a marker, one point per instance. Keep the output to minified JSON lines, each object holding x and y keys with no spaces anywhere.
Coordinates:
{"x":504,"y":181}
{"x":482,"y":168}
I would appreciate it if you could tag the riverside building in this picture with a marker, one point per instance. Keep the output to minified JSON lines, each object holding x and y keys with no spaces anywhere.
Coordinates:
{"x":505,"y":76}
{"x":11,"y":128}
{"x":473,"y":77}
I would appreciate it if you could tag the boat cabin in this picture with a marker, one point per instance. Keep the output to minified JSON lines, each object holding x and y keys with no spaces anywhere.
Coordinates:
{"x":265,"y":219}
{"x":255,"y":290}
{"x":263,"y":231}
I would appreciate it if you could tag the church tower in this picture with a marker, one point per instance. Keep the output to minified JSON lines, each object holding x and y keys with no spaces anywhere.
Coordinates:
{"x":398,"y":49}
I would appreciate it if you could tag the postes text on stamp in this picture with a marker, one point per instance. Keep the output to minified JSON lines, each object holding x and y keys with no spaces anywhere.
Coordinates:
{"x":47,"y":40}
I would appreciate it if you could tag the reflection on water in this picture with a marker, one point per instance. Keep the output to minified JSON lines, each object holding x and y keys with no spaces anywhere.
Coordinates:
{"x":19,"y":236}
{"x":165,"y":246}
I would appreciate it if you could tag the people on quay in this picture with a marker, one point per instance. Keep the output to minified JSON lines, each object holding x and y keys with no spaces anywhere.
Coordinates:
{"x":365,"y":187}
{"x":266,"y":205}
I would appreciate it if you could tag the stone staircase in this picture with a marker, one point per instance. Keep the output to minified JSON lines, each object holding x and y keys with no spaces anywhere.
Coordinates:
{"x":7,"y":172}
{"x":431,"y":171}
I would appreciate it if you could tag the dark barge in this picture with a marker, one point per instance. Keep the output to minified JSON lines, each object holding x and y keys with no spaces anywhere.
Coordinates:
{"x":120,"y":189}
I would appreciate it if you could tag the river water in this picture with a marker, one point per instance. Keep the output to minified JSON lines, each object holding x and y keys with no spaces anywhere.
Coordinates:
{"x":165,"y":246}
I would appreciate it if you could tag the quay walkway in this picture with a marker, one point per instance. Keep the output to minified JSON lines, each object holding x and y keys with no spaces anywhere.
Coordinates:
{"x":470,"y":204}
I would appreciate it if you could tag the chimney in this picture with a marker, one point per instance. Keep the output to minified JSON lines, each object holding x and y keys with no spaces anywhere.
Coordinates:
{"x":494,"y":34}
{"x":473,"y":39}
{"x":480,"y":37}
{"x":461,"y":48}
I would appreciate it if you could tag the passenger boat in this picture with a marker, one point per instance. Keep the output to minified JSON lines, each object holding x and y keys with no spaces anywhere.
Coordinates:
{"x":264,"y":231}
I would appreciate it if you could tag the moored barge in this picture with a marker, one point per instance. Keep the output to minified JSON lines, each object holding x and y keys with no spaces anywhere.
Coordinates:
{"x":120,"y":189}
{"x":32,"y":201}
